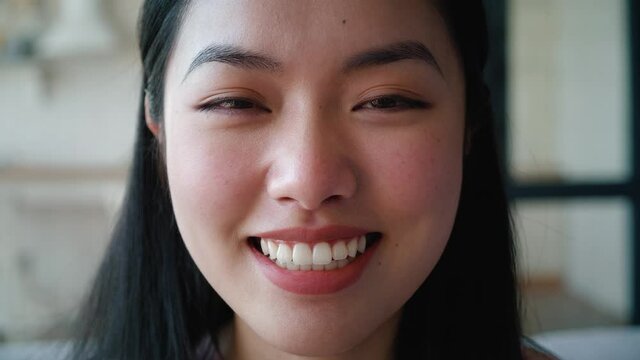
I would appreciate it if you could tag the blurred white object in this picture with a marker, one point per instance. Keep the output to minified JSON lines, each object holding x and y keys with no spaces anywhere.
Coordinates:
{"x":620,"y":343}
{"x":35,"y":351}
{"x":79,"y":29}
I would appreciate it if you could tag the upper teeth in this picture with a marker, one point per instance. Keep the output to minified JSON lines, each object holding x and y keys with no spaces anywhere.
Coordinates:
{"x":323,"y":256}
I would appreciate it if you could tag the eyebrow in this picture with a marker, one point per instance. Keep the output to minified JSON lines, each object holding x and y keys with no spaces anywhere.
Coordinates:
{"x":405,"y":50}
{"x":235,"y":56}
{"x":242,"y":58}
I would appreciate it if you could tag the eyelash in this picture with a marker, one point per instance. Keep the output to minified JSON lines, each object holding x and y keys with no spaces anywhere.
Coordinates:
{"x":405,"y":104}
{"x":216,"y":105}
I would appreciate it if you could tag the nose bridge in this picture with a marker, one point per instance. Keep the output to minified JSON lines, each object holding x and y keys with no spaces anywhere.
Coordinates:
{"x":313,"y":165}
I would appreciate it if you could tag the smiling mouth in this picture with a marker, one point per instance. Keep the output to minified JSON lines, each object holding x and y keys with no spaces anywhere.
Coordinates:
{"x":318,"y":256}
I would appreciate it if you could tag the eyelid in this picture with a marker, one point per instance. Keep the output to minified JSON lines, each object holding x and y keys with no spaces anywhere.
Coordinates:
{"x":209,"y":104}
{"x":409,"y":103}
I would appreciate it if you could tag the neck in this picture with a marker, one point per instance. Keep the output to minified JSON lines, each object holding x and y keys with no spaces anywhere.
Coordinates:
{"x":245,"y":344}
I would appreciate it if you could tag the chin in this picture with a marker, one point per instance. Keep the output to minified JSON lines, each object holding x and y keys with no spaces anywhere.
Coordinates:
{"x":322,"y":331}
{"x":323,"y":340}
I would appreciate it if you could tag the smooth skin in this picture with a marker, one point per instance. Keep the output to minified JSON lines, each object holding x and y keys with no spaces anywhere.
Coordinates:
{"x":308,"y":144}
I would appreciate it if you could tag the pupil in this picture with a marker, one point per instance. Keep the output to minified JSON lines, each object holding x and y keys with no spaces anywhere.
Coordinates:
{"x":384,"y":102}
{"x":237,"y":104}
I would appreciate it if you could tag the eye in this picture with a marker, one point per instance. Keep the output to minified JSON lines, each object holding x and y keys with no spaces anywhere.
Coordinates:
{"x":231,"y":105}
{"x":391,"y":103}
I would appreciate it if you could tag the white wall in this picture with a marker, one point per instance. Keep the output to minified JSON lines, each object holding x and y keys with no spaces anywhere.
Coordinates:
{"x":593,"y":89}
{"x":52,"y":235}
{"x":598,"y":254}
{"x":66,"y":131}
{"x":71,"y":112}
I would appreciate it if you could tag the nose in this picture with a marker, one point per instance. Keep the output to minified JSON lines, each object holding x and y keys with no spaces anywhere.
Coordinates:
{"x":312,"y":167}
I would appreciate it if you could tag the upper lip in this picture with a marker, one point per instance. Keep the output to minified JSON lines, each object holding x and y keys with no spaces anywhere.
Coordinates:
{"x":306,"y":234}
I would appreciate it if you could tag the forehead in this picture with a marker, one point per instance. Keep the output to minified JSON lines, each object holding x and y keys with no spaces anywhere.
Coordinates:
{"x":312,"y":34}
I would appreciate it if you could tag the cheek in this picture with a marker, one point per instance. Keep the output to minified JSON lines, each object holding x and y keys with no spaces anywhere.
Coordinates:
{"x":419,"y":174}
{"x":417,"y":182}
{"x":212,"y":181}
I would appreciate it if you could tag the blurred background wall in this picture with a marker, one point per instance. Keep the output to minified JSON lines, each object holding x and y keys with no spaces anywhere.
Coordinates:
{"x":69,"y":78}
{"x":68,"y":103}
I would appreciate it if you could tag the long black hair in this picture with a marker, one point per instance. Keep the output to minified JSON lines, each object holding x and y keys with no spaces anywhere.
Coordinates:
{"x":150,"y":301}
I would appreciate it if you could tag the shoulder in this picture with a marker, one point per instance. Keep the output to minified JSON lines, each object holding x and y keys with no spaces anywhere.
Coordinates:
{"x":533,"y":351}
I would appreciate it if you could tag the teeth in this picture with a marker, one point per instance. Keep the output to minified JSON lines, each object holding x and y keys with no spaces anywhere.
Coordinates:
{"x":284,"y":254}
{"x":332,"y":265}
{"x":273,"y":249}
{"x":352,"y":247}
{"x":264,"y":246}
{"x":322,"y":257}
{"x":322,"y":254}
{"x":302,"y":254}
{"x":362,"y":244}
{"x":339,"y":251}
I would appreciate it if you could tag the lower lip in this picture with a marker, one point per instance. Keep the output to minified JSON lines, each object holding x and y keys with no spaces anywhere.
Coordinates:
{"x":314,"y":282}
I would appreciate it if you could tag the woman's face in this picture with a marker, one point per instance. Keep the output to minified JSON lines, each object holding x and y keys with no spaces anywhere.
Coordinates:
{"x":314,"y":124}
